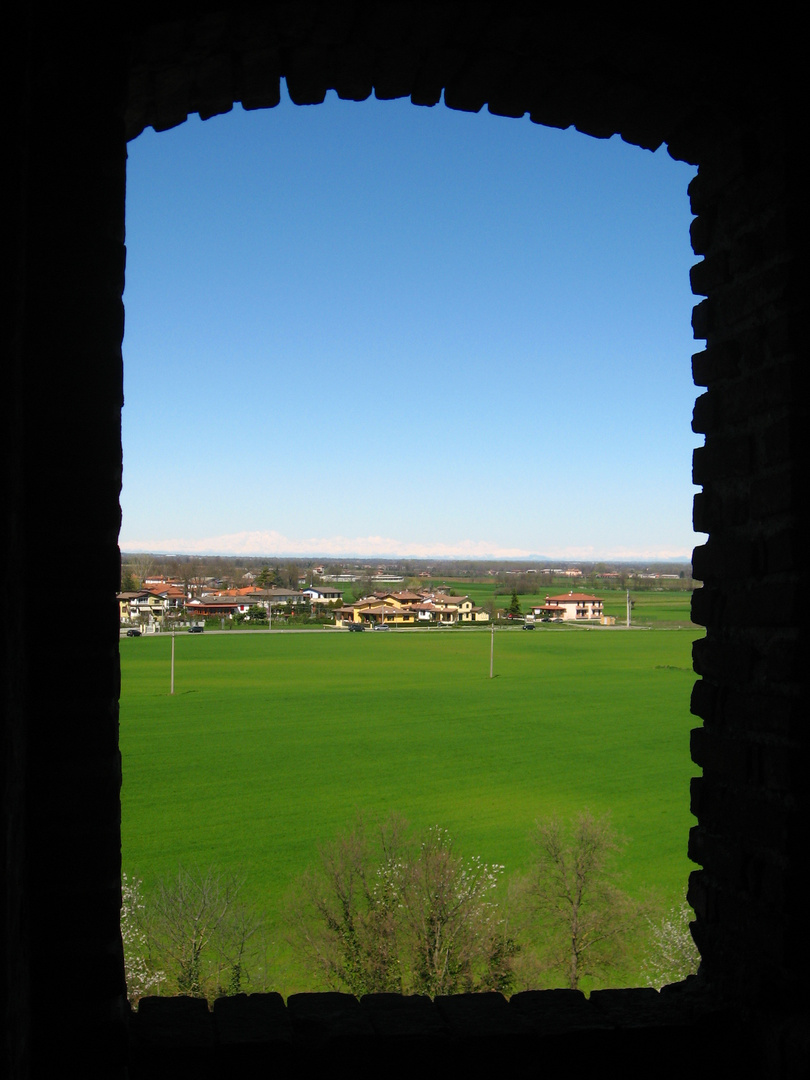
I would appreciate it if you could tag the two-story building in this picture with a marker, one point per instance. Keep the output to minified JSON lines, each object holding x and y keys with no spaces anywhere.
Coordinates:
{"x":569,"y":607}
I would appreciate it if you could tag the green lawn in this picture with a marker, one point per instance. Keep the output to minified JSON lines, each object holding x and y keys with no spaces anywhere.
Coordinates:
{"x":273,"y":742}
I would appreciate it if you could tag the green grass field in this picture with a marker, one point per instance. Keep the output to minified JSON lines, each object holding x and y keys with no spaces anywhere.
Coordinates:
{"x":273,"y":742}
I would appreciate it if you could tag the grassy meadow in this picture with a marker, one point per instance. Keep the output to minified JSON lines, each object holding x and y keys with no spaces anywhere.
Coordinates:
{"x":274,"y":741}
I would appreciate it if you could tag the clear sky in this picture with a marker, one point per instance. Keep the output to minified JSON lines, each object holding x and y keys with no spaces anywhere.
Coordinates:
{"x":376,"y":329}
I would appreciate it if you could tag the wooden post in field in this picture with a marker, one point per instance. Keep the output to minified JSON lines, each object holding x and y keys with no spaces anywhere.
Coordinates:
{"x":628,"y":607}
{"x":492,"y":651}
{"x":171,"y":691}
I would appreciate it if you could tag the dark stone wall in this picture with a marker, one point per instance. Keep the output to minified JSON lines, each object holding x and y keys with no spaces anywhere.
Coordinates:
{"x":62,"y":469}
{"x":751,"y":803}
{"x":721,"y":95}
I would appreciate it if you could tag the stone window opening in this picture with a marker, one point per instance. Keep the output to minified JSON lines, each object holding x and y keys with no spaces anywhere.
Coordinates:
{"x":225,"y":318}
{"x":720,"y":93}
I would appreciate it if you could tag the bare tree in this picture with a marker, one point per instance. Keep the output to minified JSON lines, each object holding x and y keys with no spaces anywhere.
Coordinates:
{"x":342,"y":916}
{"x":577,"y":917}
{"x":390,"y":913}
{"x":290,"y":575}
{"x":141,"y":566}
{"x":234,"y":949}
{"x":199,"y":930}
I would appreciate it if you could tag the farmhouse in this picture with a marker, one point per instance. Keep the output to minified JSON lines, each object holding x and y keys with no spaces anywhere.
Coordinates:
{"x":569,"y":606}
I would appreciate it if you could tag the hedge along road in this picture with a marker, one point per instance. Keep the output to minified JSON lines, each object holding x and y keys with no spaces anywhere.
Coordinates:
{"x":273,"y":741}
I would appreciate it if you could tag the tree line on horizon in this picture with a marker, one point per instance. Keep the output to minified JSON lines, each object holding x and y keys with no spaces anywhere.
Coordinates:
{"x":286,"y":573}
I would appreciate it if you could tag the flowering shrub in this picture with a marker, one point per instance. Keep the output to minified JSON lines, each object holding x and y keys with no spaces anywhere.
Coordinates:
{"x":452,"y":937}
{"x":673,"y":954}
{"x":141,"y":979}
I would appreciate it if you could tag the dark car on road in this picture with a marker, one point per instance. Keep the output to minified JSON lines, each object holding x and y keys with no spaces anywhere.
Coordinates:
{"x":196,"y":629}
{"x":356,"y":627}
{"x":528,"y":626}
{"x":133,"y":633}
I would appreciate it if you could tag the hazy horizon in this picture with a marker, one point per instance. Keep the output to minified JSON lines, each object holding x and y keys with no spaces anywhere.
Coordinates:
{"x":394,"y":559}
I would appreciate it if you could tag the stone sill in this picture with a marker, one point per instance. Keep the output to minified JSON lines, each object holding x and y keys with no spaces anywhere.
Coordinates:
{"x":642,"y":1031}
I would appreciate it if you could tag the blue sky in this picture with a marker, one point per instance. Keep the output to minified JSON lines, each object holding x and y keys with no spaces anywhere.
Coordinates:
{"x":376,"y":329}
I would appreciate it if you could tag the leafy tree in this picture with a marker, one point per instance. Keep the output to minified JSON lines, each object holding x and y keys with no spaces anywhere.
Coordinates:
{"x":577,"y":917}
{"x":128,"y":582}
{"x":267,"y":577}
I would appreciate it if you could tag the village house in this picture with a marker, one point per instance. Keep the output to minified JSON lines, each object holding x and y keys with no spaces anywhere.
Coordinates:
{"x":323,"y":594}
{"x":465,"y":609}
{"x":150,"y":603}
{"x":226,"y":603}
{"x":380,"y":607}
{"x":132,"y":603}
{"x":208,"y":607}
{"x":409,"y":608}
{"x":569,"y":607}
{"x":170,"y":597}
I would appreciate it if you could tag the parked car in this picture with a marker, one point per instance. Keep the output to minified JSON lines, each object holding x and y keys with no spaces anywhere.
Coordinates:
{"x":382,"y":626}
{"x":528,"y":626}
{"x":133,"y":633}
{"x":356,"y":626}
{"x":196,"y":629}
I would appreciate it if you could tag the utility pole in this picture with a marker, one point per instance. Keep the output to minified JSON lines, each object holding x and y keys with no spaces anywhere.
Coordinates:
{"x":171,"y":690}
{"x":628,"y":608}
{"x":492,"y":651}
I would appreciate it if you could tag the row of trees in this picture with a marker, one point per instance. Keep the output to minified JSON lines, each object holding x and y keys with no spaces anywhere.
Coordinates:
{"x":197,"y":571}
{"x":385,"y":909}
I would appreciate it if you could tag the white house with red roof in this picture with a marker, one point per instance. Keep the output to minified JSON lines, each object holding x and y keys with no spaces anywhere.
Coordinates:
{"x":572,"y":606}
